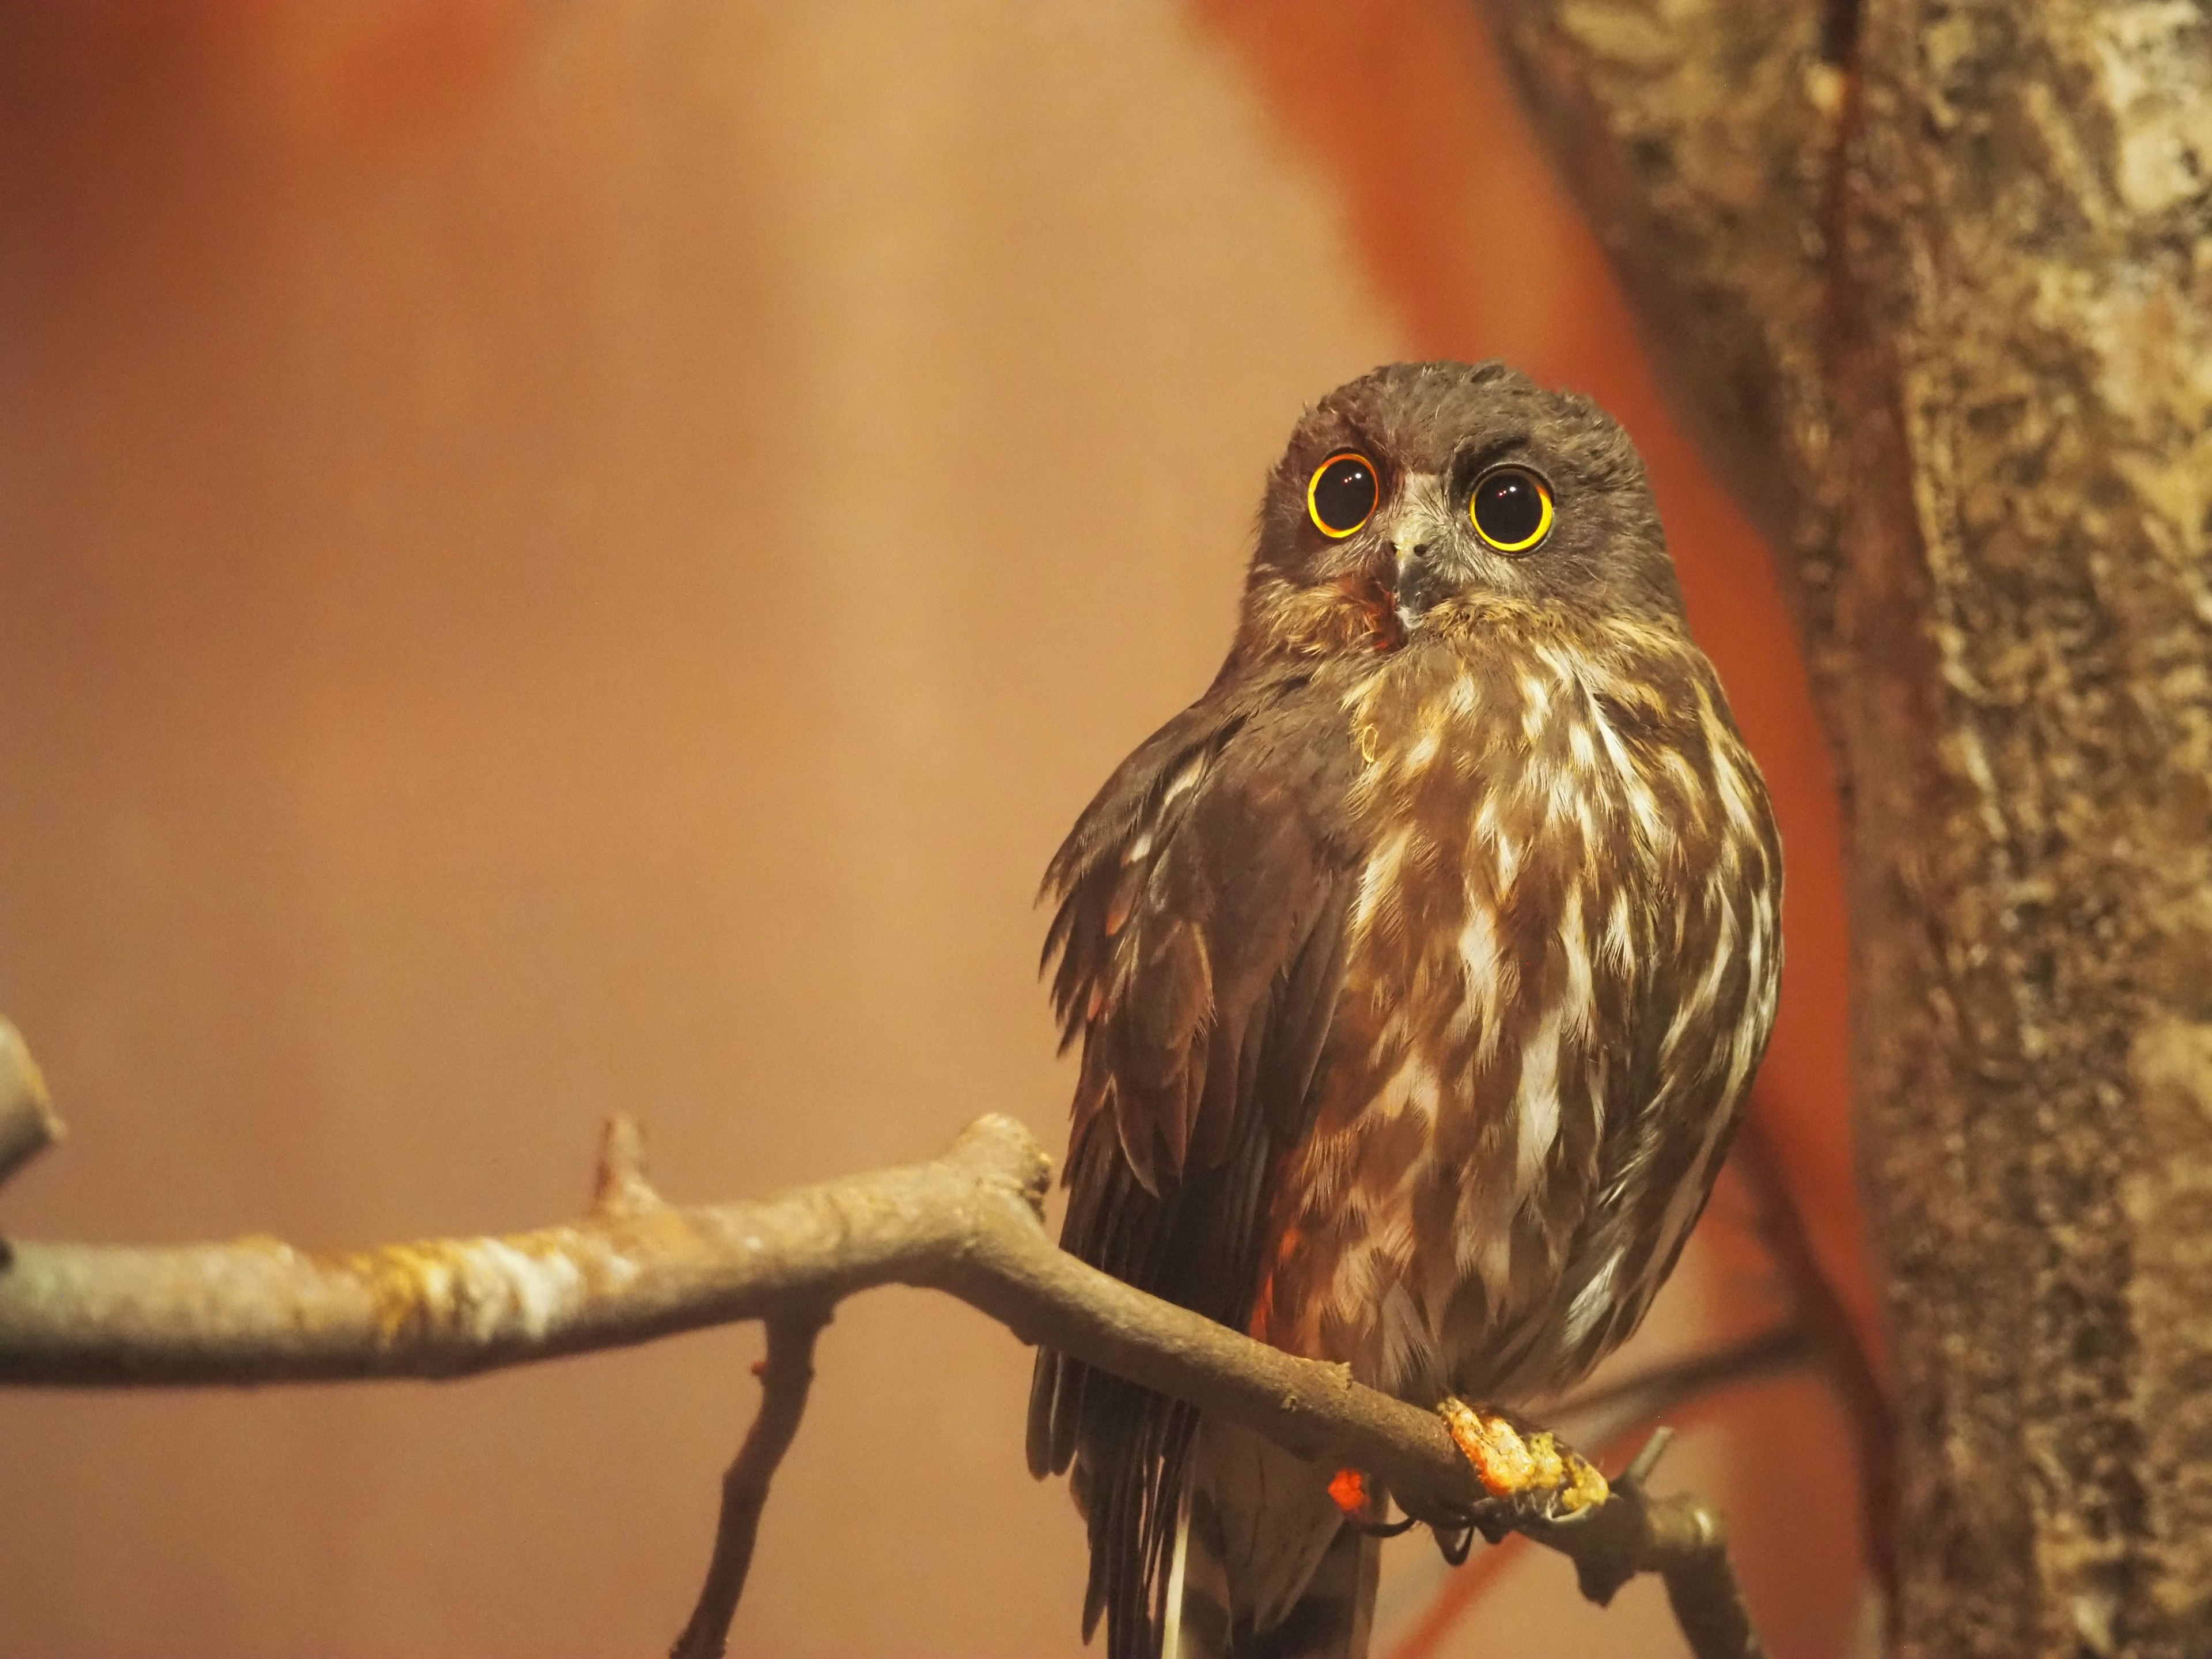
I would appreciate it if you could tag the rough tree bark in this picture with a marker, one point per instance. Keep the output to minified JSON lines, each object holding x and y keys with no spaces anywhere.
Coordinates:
{"x":1932,"y":279}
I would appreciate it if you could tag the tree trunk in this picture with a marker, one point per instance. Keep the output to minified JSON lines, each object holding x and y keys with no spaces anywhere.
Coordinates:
{"x":1934,"y":283}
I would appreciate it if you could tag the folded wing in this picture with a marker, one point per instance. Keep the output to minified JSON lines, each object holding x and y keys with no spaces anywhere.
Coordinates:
{"x":1200,"y":946}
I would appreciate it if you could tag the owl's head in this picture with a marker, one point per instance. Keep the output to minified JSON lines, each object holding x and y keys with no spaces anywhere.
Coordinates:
{"x":1423,"y":486}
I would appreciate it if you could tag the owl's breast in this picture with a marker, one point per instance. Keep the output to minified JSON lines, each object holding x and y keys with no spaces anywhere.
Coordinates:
{"x":1559,"y":974}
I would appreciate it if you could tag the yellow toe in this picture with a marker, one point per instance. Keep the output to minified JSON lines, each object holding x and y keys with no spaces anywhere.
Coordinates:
{"x":1512,"y":1465}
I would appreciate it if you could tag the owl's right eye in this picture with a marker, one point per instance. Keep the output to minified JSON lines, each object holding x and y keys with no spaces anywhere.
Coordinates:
{"x":1340,"y":495}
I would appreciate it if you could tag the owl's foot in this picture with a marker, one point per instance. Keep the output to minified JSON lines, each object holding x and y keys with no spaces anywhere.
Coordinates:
{"x":1529,"y":1474}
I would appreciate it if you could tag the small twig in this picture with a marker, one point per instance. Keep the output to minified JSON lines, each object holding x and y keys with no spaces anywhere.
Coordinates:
{"x":785,"y":1376}
{"x":618,"y":1185}
{"x":1655,"y":1448}
{"x":28,"y":1123}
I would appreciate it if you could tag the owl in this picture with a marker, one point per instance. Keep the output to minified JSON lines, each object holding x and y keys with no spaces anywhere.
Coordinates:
{"x":1419,"y":970}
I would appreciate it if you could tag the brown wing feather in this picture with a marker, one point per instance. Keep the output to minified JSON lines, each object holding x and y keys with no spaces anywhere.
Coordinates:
{"x":1199,"y":947}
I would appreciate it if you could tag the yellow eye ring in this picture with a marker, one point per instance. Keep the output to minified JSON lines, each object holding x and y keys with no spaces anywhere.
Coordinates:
{"x":1340,"y":497}
{"x":1511,"y":508}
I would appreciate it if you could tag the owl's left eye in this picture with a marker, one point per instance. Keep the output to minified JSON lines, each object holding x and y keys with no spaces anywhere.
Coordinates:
{"x":1340,"y":495}
{"x":1511,"y":507}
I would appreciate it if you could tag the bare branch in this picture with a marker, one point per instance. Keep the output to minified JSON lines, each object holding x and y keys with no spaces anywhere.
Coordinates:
{"x":969,"y":1223}
{"x":257,"y":1309}
{"x":786,"y":1375}
{"x":28,"y":1123}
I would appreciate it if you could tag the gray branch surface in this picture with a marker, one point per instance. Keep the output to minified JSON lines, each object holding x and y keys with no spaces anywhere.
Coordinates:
{"x":969,"y":1223}
{"x":1932,"y":279}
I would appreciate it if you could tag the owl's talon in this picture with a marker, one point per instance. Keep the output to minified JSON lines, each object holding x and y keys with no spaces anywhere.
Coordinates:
{"x":1530,"y":1475}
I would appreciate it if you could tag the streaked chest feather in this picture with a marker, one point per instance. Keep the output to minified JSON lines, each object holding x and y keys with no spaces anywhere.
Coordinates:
{"x":1561,"y":971}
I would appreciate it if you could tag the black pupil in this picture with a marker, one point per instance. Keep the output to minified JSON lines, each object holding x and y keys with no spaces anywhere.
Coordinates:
{"x":1344,"y":494}
{"x":1508,"y":508}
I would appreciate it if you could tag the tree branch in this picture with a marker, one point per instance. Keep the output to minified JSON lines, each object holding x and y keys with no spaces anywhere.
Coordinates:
{"x":969,"y":1223}
{"x":786,"y":1375}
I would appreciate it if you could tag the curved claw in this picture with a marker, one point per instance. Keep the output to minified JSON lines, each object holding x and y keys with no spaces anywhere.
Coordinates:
{"x":1362,"y":1509}
{"x":1455,"y":1546}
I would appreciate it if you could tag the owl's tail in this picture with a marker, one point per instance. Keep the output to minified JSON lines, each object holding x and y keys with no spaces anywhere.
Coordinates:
{"x":1261,"y":1569}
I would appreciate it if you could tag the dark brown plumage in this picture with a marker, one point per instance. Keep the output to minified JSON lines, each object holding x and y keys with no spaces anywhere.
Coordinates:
{"x":1420,"y":967}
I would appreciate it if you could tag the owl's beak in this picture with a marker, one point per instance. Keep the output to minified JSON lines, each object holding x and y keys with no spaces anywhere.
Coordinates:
{"x":1418,"y":531}
{"x":1421,"y":586}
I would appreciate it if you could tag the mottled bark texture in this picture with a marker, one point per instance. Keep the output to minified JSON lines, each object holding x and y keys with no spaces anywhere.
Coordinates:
{"x":1934,"y":283}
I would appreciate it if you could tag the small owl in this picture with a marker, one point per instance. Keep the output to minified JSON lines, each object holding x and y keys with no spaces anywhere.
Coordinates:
{"x":1420,"y":969}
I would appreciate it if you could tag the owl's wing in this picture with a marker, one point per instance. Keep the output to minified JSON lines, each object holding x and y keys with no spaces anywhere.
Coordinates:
{"x":1199,"y":940}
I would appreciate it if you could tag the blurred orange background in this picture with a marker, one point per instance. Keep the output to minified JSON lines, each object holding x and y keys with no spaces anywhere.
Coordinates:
{"x":565,"y":557}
